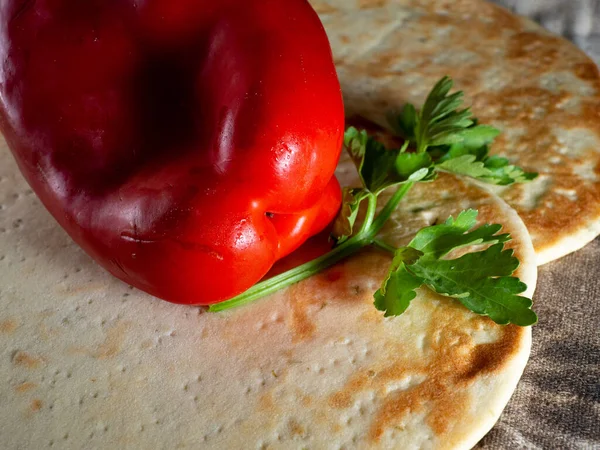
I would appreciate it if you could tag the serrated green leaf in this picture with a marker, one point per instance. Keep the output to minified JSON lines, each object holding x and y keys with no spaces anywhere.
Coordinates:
{"x":471,"y":141}
{"x":466,"y":165}
{"x":467,"y":155}
{"x":380,"y":168}
{"x":481,"y":281}
{"x":478,"y":136}
{"x":409,"y":163}
{"x":504,"y":173}
{"x":493,"y":170}
{"x":453,"y":138}
{"x":343,"y":226}
{"x":398,"y":288}
{"x":439,"y":120}
{"x":375,"y":164}
{"x":437,"y":241}
{"x":404,"y":123}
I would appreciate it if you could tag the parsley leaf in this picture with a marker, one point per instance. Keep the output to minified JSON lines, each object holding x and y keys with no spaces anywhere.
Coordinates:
{"x":453,"y":139}
{"x":344,"y":223}
{"x":437,"y":241}
{"x":469,"y":156}
{"x":413,"y":166}
{"x":380,"y":168}
{"x":438,"y":122}
{"x":398,"y":289}
{"x":480,"y":280}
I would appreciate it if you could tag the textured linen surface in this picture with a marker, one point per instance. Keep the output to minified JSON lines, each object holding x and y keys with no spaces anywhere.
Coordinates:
{"x":557,"y":402}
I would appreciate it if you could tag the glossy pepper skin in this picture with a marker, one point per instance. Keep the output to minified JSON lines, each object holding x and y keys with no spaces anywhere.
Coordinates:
{"x":186,"y":145}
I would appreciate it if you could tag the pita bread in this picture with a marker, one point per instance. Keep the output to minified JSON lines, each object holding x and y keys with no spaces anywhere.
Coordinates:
{"x":540,"y":90}
{"x":87,"y":362}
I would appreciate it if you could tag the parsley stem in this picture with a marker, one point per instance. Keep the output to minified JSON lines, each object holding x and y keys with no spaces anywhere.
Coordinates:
{"x":308,"y":269}
{"x":294,"y":275}
{"x":370,"y":214}
{"x":388,"y":209}
{"x":365,"y":236}
{"x":384,"y":246}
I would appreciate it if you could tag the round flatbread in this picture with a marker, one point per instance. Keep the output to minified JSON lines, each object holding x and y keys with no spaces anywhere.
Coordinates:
{"x":539,"y":89}
{"x":88,"y":362}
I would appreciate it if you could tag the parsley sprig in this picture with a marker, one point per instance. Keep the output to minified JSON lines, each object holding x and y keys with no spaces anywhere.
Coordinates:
{"x":440,"y":137}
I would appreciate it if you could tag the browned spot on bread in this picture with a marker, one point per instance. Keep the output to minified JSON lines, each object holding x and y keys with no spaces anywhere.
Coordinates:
{"x":443,"y":414}
{"x":366,"y":4}
{"x":8,"y":326}
{"x":47,"y":333}
{"x":306,"y":401}
{"x":344,"y":398}
{"x":72,"y":291}
{"x":587,"y":71}
{"x":372,"y":316}
{"x":113,"y":342}
{"x":25,"y":387}
{"x":306,"y":299}
{"x":395,"y":407}
{"x":437,"y":382}
{"x":455,"y":362}
{"x":299,"y":322}
{"x":26,"y":360}
{"x":322,"y":7}
{"x":489,"y":358}
{"x":295,"y":428}
{"x":265,"y":403}
{"x":534,"y":48}
{"x":36,"y":405}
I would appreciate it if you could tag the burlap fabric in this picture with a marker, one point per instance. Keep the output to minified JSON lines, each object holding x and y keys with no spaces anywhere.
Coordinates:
{"x":557,"y":402}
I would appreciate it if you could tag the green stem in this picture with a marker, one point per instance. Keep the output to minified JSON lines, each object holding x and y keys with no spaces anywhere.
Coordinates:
{"x":364,"y":237}
{"x":370,"y":214}
{"x":384,"y":246}
{"x":294,"y":275}
{"x":404,"y":146}
{"x":388,"y":209}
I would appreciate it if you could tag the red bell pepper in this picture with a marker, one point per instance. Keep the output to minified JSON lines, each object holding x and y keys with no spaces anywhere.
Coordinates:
{"x":186,"y":145}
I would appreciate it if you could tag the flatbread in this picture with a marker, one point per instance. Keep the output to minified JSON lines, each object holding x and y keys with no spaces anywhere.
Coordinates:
{"x":539,"y":89}
{"x":88,"y":362}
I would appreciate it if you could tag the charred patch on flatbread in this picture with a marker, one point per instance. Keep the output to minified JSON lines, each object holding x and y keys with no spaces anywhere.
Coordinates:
{"x":367,"y":4}
{"x":36,"y":405}
{"x":323,"y":7}
{"x":587,"y":71}
{"x":299,"y":321}
{"x":534,"y":48}
{"x":111,"y":346}
{"x":26,"y":386}
{"x":8,"y":326}
{"x":344,"y":398}
{"x":24,"y":359}
{"x":295,"y":428}
{"x":455,"y":362}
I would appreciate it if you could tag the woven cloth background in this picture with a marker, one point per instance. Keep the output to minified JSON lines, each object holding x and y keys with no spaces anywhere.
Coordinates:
{"x":557,"y":402}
